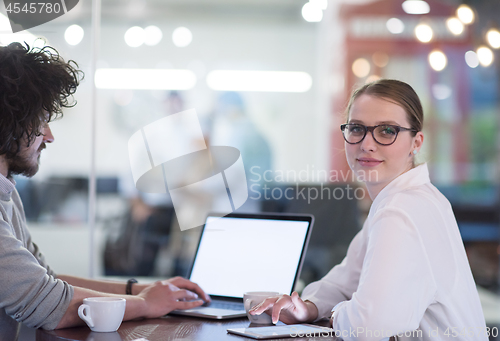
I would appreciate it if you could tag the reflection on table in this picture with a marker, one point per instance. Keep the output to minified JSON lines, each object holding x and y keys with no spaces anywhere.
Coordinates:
{"x":167,"y":328}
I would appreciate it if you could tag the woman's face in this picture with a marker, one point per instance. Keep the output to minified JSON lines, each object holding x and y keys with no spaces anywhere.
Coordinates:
{"x":375,"y":164}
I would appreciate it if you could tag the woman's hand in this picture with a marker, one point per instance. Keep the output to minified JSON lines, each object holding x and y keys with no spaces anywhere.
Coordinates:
{"x":288,"y":309}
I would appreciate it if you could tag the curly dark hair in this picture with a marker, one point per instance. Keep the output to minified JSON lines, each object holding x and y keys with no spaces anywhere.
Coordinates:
{"x":35,"y":84}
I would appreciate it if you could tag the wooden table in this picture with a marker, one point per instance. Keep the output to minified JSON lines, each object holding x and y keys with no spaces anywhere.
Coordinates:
{"x":167,"y":328}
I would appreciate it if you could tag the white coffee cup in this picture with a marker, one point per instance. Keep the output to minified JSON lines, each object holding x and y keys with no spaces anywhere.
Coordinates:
{"x":102,"y":314}
{"x":253,"y":298}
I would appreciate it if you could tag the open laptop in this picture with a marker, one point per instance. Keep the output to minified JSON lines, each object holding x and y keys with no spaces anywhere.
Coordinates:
{"x":247,"y":252}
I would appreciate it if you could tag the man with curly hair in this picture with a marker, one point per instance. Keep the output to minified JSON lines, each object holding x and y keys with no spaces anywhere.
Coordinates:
{"x":35,"y":85}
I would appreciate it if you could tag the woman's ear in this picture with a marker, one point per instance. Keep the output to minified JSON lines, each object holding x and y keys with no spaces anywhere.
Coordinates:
{"x":418,"y":140}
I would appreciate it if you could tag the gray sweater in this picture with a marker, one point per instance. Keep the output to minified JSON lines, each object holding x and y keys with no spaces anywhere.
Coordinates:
{"x":29,"y":290}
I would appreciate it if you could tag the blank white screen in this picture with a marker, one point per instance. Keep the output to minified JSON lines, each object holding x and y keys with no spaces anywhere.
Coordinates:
{"x":237,"y":255}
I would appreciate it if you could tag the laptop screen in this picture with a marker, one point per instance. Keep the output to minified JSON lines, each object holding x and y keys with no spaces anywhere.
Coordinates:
{"x":240,"y":254}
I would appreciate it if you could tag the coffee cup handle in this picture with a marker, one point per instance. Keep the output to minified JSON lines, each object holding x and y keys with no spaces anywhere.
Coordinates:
{"x":248,"y":304}
{"x":83,"y":312}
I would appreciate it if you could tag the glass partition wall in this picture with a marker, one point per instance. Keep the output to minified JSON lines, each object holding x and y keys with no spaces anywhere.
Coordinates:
{"x":56,"y":198}
{"x":270,"y":79}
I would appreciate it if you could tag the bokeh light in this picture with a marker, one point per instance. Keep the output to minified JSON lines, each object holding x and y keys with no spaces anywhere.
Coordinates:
{"x":465,"y":14}
{"x":182,"y":37}
{"x":74,"y":35}
{"x":485,"y":56}
{"x":123,"y":97}
{"x":493,"y":38}
{"x":361,"y":67}
{"x":441,"y":91}
{"x":471,"y":59}
{"x":380,"y":59}
{"x":395,"y":26}
{"x":152,"y":35}
{"x":437,"y":60}
{"x":321,"y":4}
{"x":455,"y":26}
{"x":416,"y":7}
{"x":372,"y":78}
{"x":424,"y":33}
{"x":311,"y":13}
{"x":134,"y":37}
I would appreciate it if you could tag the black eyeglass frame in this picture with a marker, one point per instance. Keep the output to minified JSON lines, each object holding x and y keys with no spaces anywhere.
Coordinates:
{"x":372,"y":128}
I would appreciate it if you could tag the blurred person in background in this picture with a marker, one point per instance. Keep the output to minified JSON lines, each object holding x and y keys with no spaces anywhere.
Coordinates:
{"x":35,"y":85}
{"x":145,"y":242}
{"x":231,"y":125}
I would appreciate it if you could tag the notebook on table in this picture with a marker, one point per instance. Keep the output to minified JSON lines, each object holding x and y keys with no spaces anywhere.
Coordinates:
{"x":247,"y":252}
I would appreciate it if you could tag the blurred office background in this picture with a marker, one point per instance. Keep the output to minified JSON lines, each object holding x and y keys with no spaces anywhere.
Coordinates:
{"x":285,"y":124}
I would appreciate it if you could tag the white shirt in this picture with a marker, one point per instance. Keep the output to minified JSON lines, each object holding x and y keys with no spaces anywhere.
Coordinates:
{"x":405,"y":270}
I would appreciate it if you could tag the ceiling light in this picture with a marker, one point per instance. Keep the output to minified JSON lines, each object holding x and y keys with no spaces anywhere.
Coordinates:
{"x":395,"y":26}
{"x":134,"y":37}
{"x":471,"y":59}
{"x":437,"y":60}
{"x":144,"y":79}
{"x":311,"y":13}
{"x":268,"y":81}
{"x":74,"y":35}
{"x":465,"y":14}
{"x":416,"y":7}
{"x":424,"y":33}
{"x":493,"y":37}
{"x":182,"y":37}
{"x":152,"y":35}
{"x":485,"y":56}
{"x":455,"y":26}
{"x":361,"y":67}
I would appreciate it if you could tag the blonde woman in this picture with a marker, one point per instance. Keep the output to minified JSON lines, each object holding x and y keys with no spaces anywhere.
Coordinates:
{"x":406,"y":274}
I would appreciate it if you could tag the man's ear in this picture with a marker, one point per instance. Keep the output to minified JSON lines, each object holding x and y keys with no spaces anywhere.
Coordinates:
{"x":4,"y":165}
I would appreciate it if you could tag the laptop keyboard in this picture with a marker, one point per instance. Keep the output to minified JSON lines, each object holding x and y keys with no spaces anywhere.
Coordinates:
{"x":226,"y":305}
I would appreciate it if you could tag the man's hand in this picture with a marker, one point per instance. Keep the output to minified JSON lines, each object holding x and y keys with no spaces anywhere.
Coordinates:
{"x":183,"y":283}
{"x":149,"y":300}
{"x":179,"y":282}
{"x":288,"y":309}
{"x":162,"y":297}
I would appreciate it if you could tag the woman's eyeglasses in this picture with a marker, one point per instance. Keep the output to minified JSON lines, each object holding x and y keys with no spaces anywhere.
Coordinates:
{"x":384,"y":134}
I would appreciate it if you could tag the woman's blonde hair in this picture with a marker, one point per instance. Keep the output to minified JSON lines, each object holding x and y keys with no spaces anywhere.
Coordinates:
{"x":397,"y":92}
